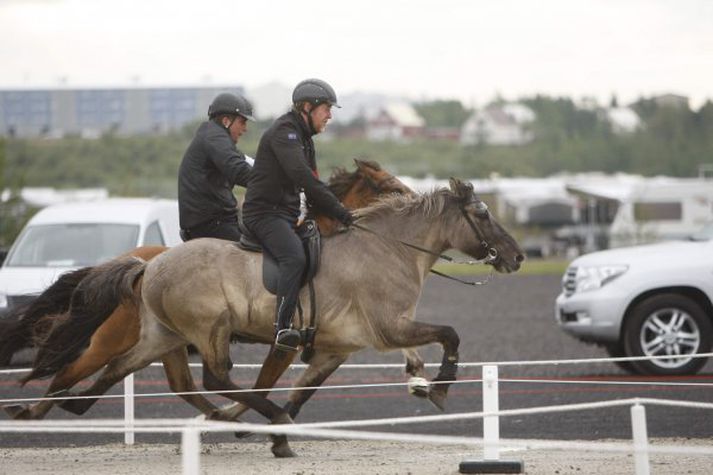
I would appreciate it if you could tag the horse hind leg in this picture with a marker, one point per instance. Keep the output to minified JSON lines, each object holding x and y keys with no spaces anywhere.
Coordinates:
{"x":216,"y":367}
{"x":154,"y":344}
{"x":100,"y":351}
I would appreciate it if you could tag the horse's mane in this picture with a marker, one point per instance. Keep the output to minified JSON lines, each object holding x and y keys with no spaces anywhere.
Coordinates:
{"x":342,"y":180}
{"x":427,"y":205}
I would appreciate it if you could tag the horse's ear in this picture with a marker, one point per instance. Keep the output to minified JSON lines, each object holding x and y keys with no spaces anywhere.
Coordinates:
{"x":462,"y":190}
{"x":366,"y":165}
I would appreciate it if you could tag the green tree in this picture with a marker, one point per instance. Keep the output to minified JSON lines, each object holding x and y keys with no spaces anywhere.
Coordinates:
{"x":442,"y":113}
{"x":13,"y":212}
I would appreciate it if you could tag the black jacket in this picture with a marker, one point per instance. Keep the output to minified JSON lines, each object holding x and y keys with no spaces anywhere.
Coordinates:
{"x":211,"y":166}
{"x":284,"y":165}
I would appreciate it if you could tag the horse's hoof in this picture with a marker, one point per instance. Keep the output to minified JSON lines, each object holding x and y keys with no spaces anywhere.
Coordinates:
{"x":17,"y":411}
{"x":281,"y":449}
{"x":418,"y":387}
{"x":438,"y":398}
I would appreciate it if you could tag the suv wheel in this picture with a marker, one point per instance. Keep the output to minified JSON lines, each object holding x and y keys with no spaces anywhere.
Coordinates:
{"x":667,"y":324}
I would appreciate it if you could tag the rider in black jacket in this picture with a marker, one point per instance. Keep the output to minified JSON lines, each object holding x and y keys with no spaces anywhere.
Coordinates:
{"x":211,"y":166}
{"x":285,"y":165}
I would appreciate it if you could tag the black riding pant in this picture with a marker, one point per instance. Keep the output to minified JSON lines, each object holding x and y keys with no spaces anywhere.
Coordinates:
{"x":223,"y":228}
{"x":278,"y":237}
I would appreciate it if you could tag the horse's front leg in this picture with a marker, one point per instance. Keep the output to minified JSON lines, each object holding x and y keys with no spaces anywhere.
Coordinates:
{"x":321,"y":365}
{"x":407,"y":333}
{"x":418,"y":383}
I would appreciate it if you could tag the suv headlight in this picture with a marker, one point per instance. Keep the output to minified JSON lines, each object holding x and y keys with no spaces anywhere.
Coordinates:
{"x":592,"y":278}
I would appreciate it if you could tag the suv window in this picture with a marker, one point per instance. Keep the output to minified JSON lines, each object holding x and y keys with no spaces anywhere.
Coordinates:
{"x":153,"y":235}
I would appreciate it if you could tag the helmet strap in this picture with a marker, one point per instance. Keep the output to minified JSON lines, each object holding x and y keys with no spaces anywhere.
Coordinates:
{"x":310,"y":121}
{"x":230,"y":124}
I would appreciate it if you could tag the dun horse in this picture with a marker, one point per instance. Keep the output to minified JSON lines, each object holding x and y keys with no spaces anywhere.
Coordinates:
{"x":112,"y":330}
{"x":205,"y":291}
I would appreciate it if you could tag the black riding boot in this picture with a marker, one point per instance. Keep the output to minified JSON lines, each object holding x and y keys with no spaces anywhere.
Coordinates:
{"x":287,"y":339}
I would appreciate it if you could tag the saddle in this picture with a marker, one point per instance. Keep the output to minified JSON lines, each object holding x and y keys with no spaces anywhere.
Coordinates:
{"x":311,"y":241}
{"x":308,"y":233}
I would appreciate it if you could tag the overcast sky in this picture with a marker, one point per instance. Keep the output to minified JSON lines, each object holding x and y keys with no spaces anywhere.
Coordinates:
{"x":469,"y":49}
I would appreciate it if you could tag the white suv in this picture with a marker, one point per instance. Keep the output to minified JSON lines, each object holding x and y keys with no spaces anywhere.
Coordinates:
{"x":649,"y":300}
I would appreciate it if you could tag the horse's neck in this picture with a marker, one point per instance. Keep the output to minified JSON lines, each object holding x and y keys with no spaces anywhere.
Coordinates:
{"x":423,"y":232}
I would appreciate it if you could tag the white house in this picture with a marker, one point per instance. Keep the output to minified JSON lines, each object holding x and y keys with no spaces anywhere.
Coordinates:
{"x":397,"y":122}
{"x":507,"y":124}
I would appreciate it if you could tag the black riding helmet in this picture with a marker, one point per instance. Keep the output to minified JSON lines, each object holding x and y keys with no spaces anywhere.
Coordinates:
{"x":231,"y":104}
{"x":314,"y":91}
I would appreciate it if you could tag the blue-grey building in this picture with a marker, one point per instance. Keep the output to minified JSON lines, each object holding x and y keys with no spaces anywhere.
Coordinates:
{"x":92,"y":112}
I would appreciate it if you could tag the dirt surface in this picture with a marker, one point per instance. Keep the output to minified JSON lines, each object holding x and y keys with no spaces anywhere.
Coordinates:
{"x":334,"y":457}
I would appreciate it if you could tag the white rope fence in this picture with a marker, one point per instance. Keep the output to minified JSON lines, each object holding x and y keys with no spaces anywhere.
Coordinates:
{"x":491,"y":441}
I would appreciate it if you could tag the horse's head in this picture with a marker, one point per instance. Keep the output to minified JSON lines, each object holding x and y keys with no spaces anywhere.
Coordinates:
{"x":480,"y":235}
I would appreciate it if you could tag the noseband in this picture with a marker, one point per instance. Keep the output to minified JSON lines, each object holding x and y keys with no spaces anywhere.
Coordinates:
{"x":481,"y":210}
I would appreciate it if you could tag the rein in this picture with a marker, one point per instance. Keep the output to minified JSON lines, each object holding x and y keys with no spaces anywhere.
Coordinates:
{"x":492,"y":252}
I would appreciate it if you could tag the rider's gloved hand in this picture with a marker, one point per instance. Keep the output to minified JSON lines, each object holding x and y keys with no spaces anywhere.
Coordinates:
{"x":347,"y":218}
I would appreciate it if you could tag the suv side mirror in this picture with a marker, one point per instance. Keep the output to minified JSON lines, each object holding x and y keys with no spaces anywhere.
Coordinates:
{"x":3,"y":255}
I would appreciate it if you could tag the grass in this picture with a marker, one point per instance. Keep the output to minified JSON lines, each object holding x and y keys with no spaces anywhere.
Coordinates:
{"x":534,"y":266}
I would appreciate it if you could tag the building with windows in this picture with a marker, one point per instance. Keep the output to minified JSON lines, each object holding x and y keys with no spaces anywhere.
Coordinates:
{"x":93,"y":112}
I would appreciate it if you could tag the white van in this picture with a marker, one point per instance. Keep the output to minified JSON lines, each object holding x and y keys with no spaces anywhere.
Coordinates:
{"x":68,"y":236}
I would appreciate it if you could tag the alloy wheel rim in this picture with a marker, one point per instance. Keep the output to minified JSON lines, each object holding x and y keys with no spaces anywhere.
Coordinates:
{"x":669,"y":332}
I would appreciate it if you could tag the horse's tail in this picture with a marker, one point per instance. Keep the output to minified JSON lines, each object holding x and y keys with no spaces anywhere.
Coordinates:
{"x":93,"y":301}
{"x":26,"y":323}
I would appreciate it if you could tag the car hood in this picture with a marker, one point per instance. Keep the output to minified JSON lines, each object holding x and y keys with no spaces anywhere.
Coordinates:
{"x":671,"y":251}
{"x":28,"y":280}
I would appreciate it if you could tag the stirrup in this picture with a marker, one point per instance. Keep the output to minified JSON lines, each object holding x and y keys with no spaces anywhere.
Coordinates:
{"x":287,"y":339}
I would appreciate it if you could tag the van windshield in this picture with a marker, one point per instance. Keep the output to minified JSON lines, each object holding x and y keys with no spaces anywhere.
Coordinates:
{"x":72,"y":245}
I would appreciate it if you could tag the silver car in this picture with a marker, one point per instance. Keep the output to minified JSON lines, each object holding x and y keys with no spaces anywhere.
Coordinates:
{"x":653,"y":300}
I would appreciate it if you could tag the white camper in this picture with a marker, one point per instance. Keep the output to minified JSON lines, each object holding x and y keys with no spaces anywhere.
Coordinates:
{"x":662,"y":209}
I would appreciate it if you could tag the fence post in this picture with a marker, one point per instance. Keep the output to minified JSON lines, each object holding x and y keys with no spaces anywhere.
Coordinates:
{"x":641,"y":440}
{"x":491,"y":403}
{"x":129,"y":409}
{"x":191,"y":451}
{"x":491,"y":462}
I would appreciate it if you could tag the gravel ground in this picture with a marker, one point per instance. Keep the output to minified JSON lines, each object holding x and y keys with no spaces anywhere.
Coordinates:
{"x":331,"y":457}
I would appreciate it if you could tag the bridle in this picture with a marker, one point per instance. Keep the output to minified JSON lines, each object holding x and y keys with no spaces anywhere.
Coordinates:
{"x":492,"y":255}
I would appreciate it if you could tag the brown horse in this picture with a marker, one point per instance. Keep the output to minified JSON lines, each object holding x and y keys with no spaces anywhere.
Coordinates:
{"x":108,"y":337}
{"x":205,"y":291}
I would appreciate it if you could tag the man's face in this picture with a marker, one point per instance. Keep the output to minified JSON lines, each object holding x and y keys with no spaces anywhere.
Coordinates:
{"x":238,"y":128}
{"x":320,"y":116}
